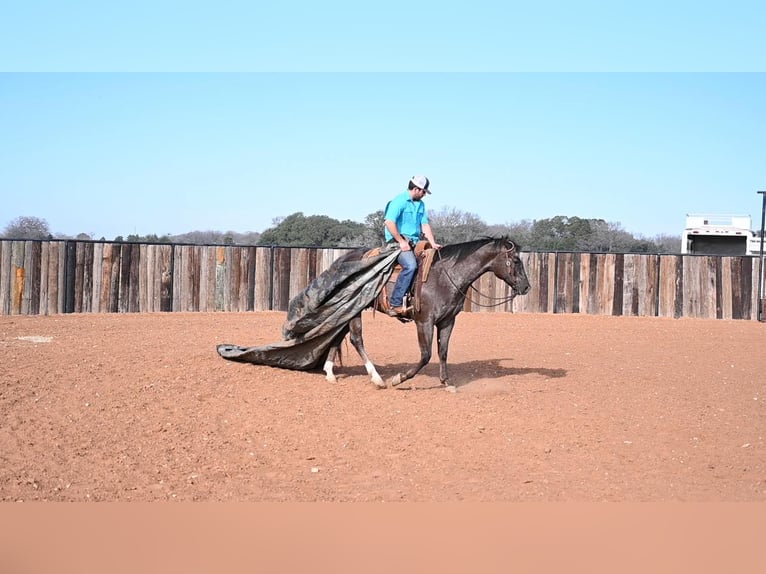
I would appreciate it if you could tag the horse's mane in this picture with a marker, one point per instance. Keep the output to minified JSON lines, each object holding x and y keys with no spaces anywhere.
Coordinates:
{"x":458,"y":251}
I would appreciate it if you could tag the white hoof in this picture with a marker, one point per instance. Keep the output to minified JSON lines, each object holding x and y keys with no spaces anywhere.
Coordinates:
{"x":329,"y":374}
{"x":379,"y":383}
{"x":396,"y":380}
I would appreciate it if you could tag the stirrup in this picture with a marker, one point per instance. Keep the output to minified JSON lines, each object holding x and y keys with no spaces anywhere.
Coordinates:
{"x":401,"y":312}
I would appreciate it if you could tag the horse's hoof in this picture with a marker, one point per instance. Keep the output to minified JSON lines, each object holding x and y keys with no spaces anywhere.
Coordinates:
{"x":379,"y":383}
{"x":450,"y":388}
{"x":396,"y":380}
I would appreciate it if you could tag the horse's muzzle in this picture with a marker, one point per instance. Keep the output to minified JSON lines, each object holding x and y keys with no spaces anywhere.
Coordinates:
{"x":521,"y":289}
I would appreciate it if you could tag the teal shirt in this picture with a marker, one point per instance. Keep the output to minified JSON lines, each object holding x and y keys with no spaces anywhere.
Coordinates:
{"x":408,"y":215}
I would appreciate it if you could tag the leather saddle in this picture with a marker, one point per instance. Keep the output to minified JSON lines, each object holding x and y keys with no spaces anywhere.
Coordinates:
{"x":424,"y":254}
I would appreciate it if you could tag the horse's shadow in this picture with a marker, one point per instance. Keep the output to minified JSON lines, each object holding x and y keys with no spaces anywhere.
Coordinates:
{"x":460,"y":374}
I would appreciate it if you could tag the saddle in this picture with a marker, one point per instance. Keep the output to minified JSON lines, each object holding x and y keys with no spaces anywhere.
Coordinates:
{"x":424,"y":254}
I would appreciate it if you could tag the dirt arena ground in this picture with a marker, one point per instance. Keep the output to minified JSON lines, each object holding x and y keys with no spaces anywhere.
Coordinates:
{"x":546,"y":408}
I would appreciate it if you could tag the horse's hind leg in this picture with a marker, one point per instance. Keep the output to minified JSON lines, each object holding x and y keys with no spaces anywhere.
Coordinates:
{"x":355,"y":326}
{"x":332,"y":354}
{"x":330,"y":363}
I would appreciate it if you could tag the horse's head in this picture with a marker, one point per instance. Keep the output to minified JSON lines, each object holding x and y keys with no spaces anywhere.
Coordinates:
{"x":507,"y":265}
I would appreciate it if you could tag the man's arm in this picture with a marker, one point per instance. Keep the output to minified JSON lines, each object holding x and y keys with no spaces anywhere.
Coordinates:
{"x":428,"y":232}
{"x":403,"y":243}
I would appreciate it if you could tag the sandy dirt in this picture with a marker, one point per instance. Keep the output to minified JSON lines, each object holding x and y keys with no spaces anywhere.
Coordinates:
{"x":547,"y":408}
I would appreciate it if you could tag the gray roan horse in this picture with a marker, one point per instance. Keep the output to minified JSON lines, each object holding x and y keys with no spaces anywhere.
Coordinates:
{"x":455,"y":268}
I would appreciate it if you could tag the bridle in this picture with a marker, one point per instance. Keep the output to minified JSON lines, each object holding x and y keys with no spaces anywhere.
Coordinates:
{"x":501,"y":300}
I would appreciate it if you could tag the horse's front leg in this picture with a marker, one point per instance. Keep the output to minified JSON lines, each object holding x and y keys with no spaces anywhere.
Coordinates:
{"x":355,"y":326}
{"x":425,"y":340}
{"x":443,"y":333}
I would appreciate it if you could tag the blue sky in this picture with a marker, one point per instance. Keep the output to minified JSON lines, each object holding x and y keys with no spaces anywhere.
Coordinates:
{"x":181,"y":117}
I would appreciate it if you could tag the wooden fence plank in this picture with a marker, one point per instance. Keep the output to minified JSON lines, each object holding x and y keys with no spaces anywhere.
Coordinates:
{"x":79,"y":271}
{"x":726,"y":287}
{"x":667,"y":286}
{"x":220,"y":278}
{"x":537,"y":297}
{"x":29,"y":278}
{"x":61,"y":246}
{"x":748,"y":288}
{"x":583,"y":283}
{"x":576,"y":281}
{"x":232,"y":279}
{"x":87,"y":277}
{"x":252,"y":255}
{"x":604,"y":291}
{"x":691,"y":287}
{"x":716,"y":299}
{"x":6,"y":275}
{"x":205,"y":263}
{"x":299,"y":271}
{"x":143,"y":278}
{"x":649,"y":270}
{"x":565,"y":283}
{"x":179,"y":273}
{"x":17,"y":278}
{"x":618,"y":281}
{"x":53,"y":291}
{"x":97,"y":276}
{"x":44,"y":284}
{"x":538,"y":294}
{"x":592,"y":281}
{"x":133,"y":282}
{"x":281,"y":278}
{"x":165,"y":270}
{"x":629,"y":286}
{"x":35,"y":274}
{"x":263,"y":282}
{"x":107,"y":261}
{"x":190,"y":287}
{"x":153,"y":278}
{"x":244,"y":264}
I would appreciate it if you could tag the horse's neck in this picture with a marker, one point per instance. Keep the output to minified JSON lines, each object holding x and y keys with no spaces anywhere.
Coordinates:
{"x":469,"y":269}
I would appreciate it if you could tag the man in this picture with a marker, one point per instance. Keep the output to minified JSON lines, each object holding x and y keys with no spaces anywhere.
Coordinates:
{"x":405,"y":220}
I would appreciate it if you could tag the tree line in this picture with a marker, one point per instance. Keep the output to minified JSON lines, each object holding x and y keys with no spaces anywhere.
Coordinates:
{"x":559,"y":233}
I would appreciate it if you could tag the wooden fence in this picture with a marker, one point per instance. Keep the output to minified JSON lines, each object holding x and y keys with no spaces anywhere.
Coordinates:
{"x":51,"y":277}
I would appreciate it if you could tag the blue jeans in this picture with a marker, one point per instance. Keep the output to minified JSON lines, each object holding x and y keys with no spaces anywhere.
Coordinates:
{"x":409,"y":267}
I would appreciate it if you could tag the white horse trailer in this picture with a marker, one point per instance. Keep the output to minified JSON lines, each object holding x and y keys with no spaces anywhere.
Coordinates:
{"x":719,"y":235}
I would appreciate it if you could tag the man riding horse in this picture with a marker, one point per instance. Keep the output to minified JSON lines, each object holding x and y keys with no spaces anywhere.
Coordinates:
{"x":405,"y":220}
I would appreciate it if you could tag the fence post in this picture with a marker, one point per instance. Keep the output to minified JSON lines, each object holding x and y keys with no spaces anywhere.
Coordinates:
{"x":70,"y":264}
{"x":760,"y":267}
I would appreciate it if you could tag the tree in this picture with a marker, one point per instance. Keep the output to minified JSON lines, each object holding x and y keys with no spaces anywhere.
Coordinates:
{"x":520,"y":232}
{"x":561,"y":233}
{"x":28,"y":227}
{"x":667,"y":243}
{"x":311,"y":231}
{"x":451,"y":225}
{"x":373,"y":234}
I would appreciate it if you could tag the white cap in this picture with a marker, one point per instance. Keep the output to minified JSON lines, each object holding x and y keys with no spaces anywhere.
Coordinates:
{"x":422,"y":182}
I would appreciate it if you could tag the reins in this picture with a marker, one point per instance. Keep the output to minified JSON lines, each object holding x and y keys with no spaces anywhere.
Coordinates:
{"x":502,"y":300}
